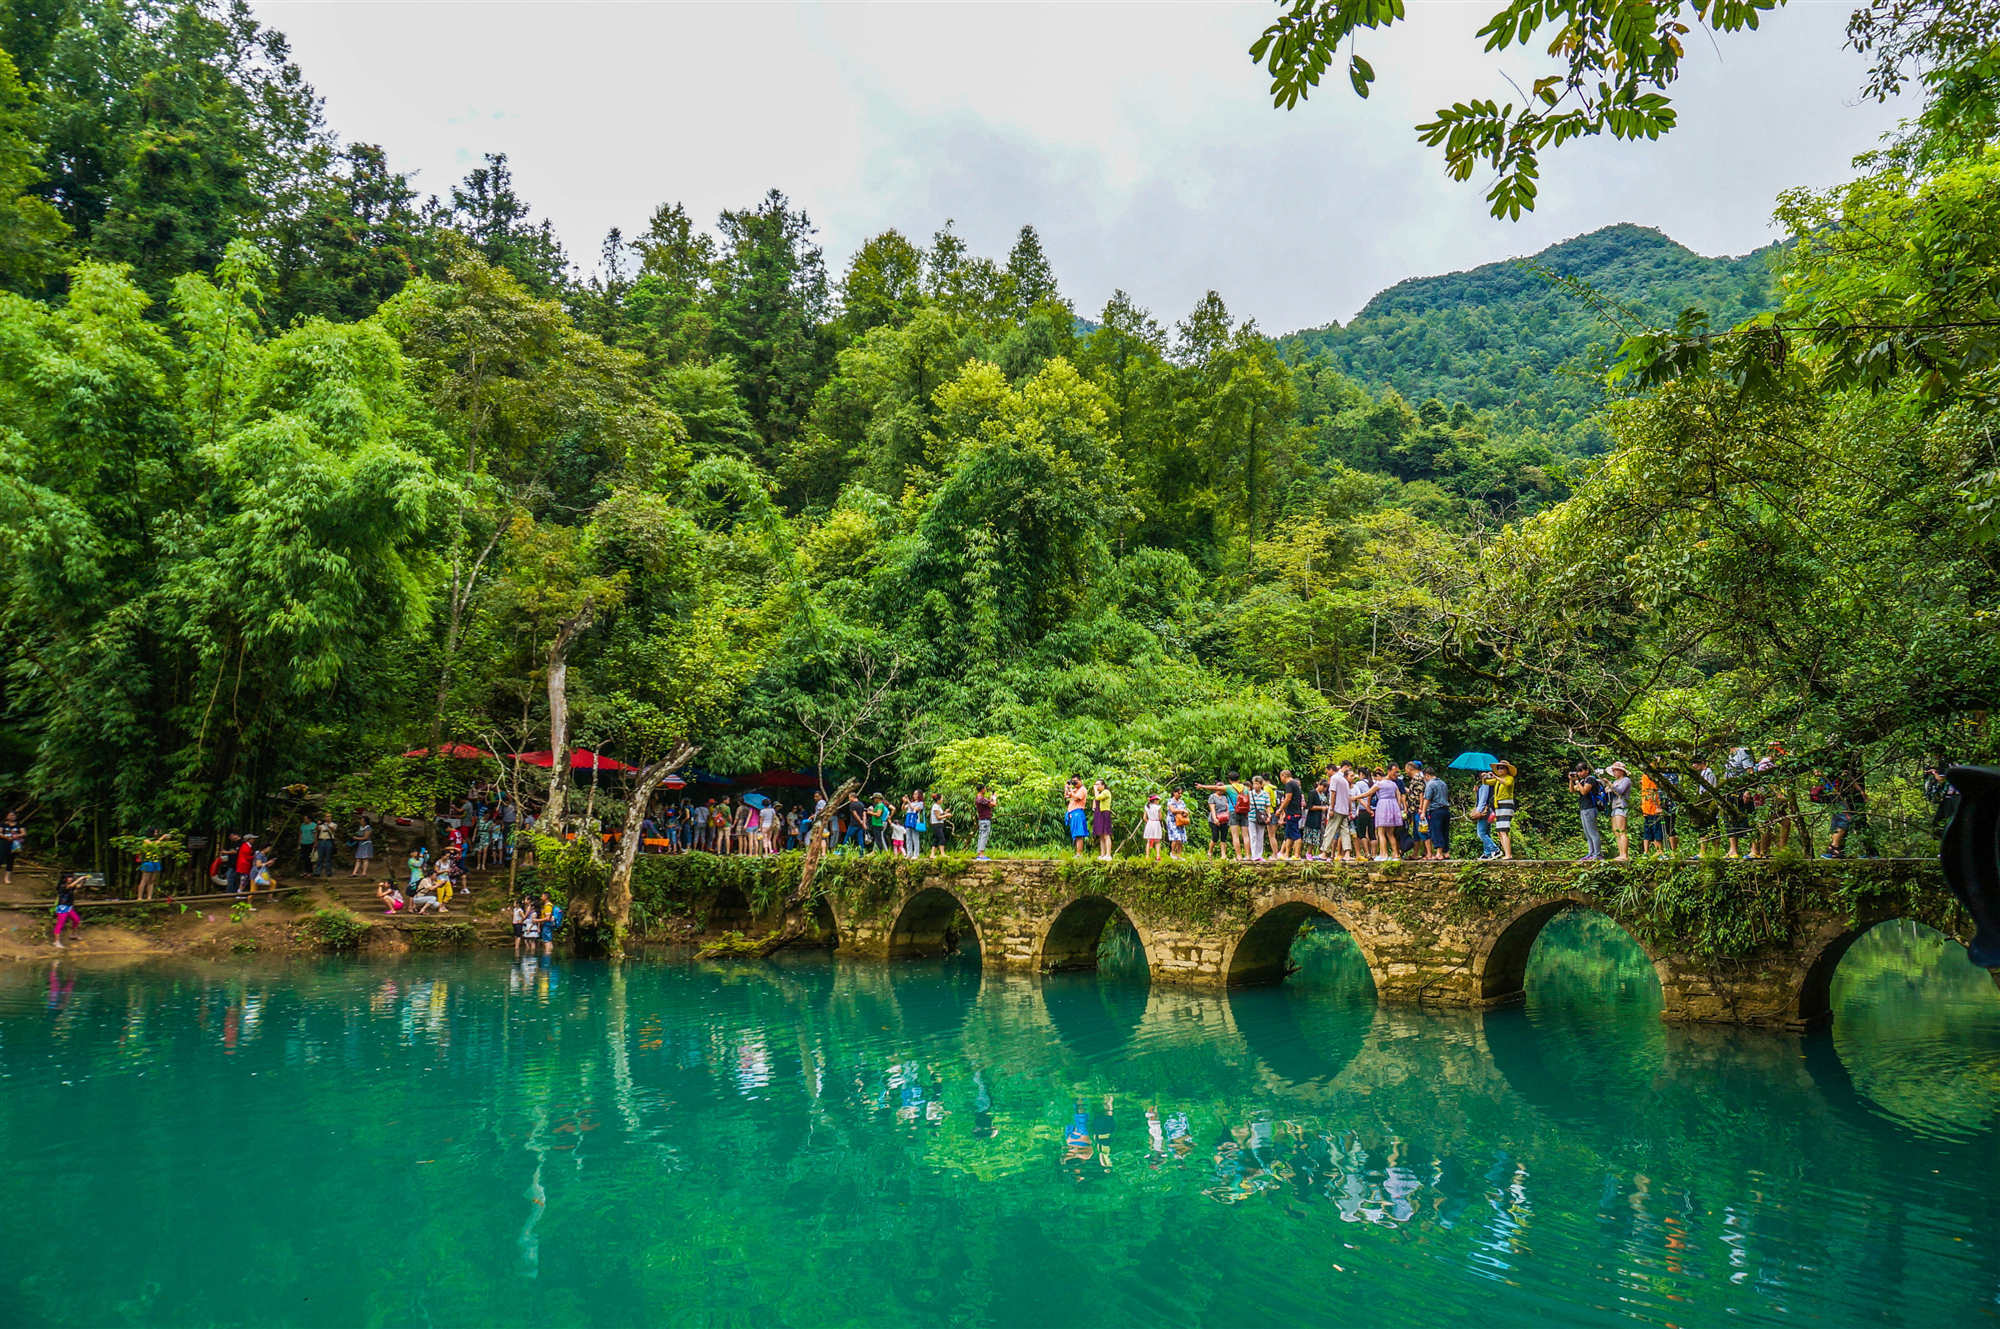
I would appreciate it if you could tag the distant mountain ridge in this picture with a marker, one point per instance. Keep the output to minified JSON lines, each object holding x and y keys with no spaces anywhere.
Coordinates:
{"x":1508,"y":341}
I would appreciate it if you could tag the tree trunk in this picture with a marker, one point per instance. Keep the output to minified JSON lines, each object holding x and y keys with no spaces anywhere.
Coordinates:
{"x":566,"y":634}
{"x":617,"y":910}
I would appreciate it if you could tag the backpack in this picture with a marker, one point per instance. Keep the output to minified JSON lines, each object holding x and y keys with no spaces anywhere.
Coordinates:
{"x":1242,"y":799}
{"x":1602,"y":800}
{"x":555,"y":917}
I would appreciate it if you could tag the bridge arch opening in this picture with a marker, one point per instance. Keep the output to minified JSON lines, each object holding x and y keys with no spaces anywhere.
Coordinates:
{"x":822,"y":929}
{"x":1569,"y":953}
{"x":1299,"y":942}
{"x":1881,"y":963}
{"x":933,"y":924}
{"x":729,"y":911}
{"x":1915,"y":1027}
{"x":1093,"y":934}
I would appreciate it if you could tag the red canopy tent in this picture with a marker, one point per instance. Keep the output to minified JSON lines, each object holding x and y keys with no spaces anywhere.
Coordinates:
{"x":580,"y":759}
{"x":462,"y":751}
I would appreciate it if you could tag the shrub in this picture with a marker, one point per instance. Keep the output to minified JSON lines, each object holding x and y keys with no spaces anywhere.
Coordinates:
{"x":442,"y":936}
{"x":332,"y":929}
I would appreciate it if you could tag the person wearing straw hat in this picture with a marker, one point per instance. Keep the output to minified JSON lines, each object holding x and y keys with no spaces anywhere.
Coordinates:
{"x":1501,"y":778}
{"x":1621,"y":800}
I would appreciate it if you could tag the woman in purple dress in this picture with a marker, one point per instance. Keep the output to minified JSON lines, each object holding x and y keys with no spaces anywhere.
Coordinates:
{"x":1388,"y":817}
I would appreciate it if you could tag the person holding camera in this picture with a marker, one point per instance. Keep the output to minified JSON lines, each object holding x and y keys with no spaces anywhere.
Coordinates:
{"x":1589,"y":789}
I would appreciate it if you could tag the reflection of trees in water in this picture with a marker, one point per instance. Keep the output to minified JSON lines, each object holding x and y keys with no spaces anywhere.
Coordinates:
{"x":1917,"y":1030}
{"x":824,"y":1099}
{"x":1586,"y":1044}
{"x":1119,"y":953}
{"x":1327,"y":960}
{"x":1584,"y":960}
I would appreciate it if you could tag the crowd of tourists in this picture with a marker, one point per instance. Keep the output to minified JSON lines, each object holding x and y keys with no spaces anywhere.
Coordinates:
{"x":1754,"y":805}
{"x":1750,"y":808}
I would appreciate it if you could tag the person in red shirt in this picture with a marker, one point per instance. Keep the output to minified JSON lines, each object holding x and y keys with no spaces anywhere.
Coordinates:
{"x":242,"y":871}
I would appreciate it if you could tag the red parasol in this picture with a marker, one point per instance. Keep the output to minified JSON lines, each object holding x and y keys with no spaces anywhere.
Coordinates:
{"x":580,"y":759}
{"x":462,"y":751}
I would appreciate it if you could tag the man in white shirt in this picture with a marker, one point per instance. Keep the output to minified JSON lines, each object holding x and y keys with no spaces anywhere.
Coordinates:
{"x":1340,"y":815}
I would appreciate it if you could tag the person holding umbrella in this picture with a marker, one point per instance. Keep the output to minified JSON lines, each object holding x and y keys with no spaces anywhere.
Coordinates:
{"x":1483,"y":800}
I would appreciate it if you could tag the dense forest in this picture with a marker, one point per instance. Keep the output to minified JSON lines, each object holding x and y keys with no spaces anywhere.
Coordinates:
{"x":1526,"y":343}
{"x":299,"y":470}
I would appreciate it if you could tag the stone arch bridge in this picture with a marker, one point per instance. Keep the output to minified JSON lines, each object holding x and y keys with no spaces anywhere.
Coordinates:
{"x":1735,"y":943}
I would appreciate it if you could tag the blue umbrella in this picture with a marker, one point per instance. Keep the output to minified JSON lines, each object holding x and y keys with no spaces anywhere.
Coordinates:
{"x":757,"y":800}
{"x":1473,"y":761}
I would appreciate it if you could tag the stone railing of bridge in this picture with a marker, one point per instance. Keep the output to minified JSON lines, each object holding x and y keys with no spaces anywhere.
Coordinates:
{"x":1748,"y":943}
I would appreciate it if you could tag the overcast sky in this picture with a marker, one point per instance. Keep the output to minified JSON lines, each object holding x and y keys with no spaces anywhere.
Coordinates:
{"x":1138,"y":138}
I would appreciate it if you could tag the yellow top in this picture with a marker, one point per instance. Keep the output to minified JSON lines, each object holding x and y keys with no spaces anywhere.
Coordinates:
{"x":1103,"y":797}
{"x":1503,"y":788}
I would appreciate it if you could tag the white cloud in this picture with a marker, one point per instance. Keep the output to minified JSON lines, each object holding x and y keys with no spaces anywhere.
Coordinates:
{"x":1136,"y":137}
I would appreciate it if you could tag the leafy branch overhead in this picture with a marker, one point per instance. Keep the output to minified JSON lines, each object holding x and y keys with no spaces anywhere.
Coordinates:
{"x":1599,"y":67}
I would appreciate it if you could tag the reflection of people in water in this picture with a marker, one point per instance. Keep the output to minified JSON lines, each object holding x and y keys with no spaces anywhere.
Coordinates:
{"x":59,"y":992}
{"x":1100,"y":1132}
{"x":1399,"y":1183}
{"x":1076,"y":1136}
{"x":934,"y":1101}
{"x":531,"y":1245}
{"x":1087,"y":1141}
{"x":982,"y":1107}
{"x":1178,"y":1138}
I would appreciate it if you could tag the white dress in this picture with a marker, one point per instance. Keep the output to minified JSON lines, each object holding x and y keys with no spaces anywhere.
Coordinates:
{"x":1152,"y":821}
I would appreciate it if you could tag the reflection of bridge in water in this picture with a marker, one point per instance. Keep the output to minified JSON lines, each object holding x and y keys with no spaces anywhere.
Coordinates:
{"x":1456,"y":935}
{"x":1596,"y":1076}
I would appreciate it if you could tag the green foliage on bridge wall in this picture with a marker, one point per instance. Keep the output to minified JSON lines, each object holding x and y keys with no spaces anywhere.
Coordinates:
{"x":1712,"y":909}
{"x":1188,"y":892}
{"x":685,"y":885}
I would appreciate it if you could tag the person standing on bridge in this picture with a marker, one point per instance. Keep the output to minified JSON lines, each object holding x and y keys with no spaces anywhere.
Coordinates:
{"x":1100,"y":818}
{"x":1588,"y":789}
{"x":1388,"y":817}
{"x":1621,"y":803}
{"x":1502,"y":777}
{"x":1177,"y":824}
{"x":1237,"y":795}
{"x":1218,"y":821}
{"x":1260,"y":817}
{"x":1291,"y":815}
{"x":1437,"y":814}
{"x":984,"y":805}
{"x":1338,"y":842}
{"x":1155,"y":828}
{"x":1077,"y":796}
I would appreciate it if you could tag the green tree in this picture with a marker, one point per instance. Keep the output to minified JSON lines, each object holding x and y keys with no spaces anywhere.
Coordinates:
{"x":771,"y":307}
{"x":498,"y":221}
{"x":31,"y":230}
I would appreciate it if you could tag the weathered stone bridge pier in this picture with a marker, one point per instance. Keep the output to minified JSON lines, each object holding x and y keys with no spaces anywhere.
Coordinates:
{"x":1735,"y":943}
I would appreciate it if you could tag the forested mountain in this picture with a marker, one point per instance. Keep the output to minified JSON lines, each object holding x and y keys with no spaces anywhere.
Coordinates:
{"x":299,"y":470}
{"x":1526,"y":341}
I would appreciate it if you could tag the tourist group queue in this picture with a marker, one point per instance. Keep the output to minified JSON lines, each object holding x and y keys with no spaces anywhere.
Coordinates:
{"x":1350,"y":814}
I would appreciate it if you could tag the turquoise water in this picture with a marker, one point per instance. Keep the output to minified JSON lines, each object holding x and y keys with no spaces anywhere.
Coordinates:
{"x":469,"y":1140}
